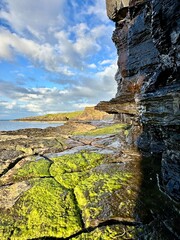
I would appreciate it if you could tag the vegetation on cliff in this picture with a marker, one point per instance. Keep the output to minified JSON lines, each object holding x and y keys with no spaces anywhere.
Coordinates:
{"x":89,"y":113}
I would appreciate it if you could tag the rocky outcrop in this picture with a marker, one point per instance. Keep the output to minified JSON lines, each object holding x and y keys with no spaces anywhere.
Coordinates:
{"x":68,"y":182}
{"x":147,"y":42}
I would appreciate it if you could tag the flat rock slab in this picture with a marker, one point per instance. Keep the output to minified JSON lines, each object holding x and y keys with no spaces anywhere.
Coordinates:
{"x":109,"y":193}
{"x":66,"y":186}
{"x":46,"y":209}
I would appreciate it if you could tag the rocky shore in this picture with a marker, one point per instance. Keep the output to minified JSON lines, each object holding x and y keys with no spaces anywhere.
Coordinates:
{"x":68,"y":182}
{"x":77,"y":181}
{"x":106,"y":179}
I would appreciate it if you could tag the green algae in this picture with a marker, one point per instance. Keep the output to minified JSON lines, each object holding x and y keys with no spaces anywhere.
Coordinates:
{"x":114,"y":232}
{"x":70,"y":170}
{"x":70,"y":184}
{"x":33,"y":169}
{"x":47,"y":209}
{"x":96,"y":192}
{"x":113,"y":129}
{"x":26,"y":150}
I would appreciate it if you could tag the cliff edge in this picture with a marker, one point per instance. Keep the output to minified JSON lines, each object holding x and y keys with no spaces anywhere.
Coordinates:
{"x":147,"y":38}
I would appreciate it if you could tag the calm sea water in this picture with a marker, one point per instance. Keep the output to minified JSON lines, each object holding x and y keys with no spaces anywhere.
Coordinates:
{"x":11,"y":125}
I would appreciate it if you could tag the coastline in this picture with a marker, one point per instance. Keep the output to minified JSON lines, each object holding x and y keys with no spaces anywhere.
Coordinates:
{"x":48,"y":121}
{"x":11,"y":125}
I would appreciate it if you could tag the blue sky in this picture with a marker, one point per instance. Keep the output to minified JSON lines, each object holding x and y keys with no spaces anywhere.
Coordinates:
{"x":55,"y":56}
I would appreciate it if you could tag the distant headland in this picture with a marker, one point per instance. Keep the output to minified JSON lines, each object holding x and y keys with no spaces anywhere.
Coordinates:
{"x":88,"y":114}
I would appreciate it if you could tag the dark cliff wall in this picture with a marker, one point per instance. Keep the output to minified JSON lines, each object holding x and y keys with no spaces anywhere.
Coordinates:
{"x":147,"y":35}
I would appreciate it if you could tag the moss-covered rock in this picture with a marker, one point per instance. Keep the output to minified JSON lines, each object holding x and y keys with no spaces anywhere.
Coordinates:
{"x":114,"y":232}
{"x":70,"y":170}
{"x":112,"y":129}
{"x":106,"y":194}
{"x":33,"y":169}
{"x":58,"y":197}
{"x":47,"y":209}
{"x":103,"y":190}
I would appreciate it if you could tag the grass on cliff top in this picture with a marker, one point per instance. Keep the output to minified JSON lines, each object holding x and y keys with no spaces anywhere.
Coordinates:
{"x":55,"y":116}
{"x":113,"y":129}
{"x":89,"y":113}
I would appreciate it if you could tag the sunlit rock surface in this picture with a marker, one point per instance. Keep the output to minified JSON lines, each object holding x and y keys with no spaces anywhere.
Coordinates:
{"x":68,"y":182}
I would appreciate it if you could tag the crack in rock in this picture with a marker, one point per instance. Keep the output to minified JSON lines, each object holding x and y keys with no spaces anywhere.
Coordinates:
{"x":11,"y":165}
{"x":110,"y":222}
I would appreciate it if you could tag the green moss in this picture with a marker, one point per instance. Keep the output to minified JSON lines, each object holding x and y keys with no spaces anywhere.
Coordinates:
{"x":113,"y":129}
{"x":92,"y":194}
{"x":33,"y":169}
{"x":126,"y":132}
{"x":115,"y":232}
{"x":70,"y":170}
{"x":46,"y":209}
{"x":27,"y":150}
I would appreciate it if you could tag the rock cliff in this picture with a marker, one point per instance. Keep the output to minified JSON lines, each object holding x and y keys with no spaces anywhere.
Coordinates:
{"x":147,"y":38}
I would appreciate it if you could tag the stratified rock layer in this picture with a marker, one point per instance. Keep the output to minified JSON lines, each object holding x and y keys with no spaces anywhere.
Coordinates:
{"x":147,"y":42}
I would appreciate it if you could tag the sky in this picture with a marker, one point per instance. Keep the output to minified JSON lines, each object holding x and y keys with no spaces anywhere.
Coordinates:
{"x":55,"y":56}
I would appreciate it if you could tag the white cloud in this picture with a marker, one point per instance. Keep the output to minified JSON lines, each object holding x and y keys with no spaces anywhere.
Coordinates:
{"x":105,"y":62}
{"x":107,"y":78}
{"x":58,"y":48}
{"x":61,"y":57}
{"x":34,"y":16}
{"x":87,"y":39}
{"x":98,"y":9}
{"x":40,"y":100}
{"x":92,"y":65}
{"x":84,"y":44}
{"x":8,"y":105}
{"x":82,"y":105}
{"x":41,"y":54}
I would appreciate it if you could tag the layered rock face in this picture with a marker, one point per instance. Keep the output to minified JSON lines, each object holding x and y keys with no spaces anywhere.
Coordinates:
{"x":147,"y":41}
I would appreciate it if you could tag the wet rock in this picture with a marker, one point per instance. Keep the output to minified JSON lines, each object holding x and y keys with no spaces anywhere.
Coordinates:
{"x":119,"y":105}
{"x":147,"y":41}
{"x":8,"y":157}
{"x":75,"y":193}
{"x":115,"y":232}
{"x":107,"y":194}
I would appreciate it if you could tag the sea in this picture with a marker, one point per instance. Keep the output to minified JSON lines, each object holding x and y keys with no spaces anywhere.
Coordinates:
{"x":9,"y":125}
